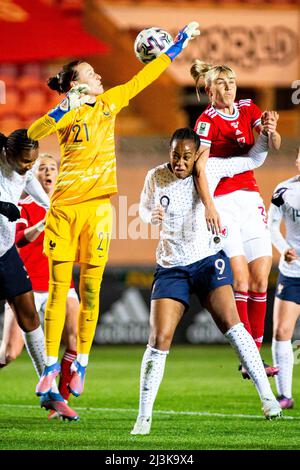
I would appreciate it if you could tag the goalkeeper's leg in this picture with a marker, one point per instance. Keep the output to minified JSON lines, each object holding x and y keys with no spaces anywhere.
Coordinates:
{"x":89,"y":287}
{"x":59,"y":284}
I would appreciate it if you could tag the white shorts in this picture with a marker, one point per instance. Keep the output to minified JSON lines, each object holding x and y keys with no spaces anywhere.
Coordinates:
{"x":244,"y":221}
{"x":40,"y":301}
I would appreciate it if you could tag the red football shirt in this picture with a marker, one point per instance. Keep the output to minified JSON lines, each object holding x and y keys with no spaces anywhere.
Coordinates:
{"x":31,"y":253}
{"x":230,"y":135}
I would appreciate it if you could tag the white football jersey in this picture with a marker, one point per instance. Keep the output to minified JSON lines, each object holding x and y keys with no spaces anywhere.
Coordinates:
{"x":11,"y":187}
{"x":286,"y":205}
{"x":184,"y":238}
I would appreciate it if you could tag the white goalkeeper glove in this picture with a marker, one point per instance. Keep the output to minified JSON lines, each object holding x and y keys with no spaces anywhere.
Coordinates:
{"x":77,"y":96}
{"x":182,"y":39}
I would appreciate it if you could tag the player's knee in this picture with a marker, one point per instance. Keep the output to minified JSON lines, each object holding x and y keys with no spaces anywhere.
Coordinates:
{"x":29,"y":321}
{"x":258,"y":285}
{"x":240,"y":284}
{"x":229,"y":320}
{"x":10,"y":355}
{"x":161,"y":340}
{"x":58,"y":292}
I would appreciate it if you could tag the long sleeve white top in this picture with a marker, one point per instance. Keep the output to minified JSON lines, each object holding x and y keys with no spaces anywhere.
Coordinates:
{"x":285,"y":206}
{"x":11,"y":187}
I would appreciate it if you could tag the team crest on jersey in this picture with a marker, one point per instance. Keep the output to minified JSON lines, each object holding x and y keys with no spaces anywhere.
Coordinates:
{"x":224,"y":232}
{"x":52,"y":245}
{"x":241,"y":141}
{"x":235,"y":124}
{"x":203,"y":129}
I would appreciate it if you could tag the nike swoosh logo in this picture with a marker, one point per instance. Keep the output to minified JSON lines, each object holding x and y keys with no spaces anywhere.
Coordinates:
{"x":220,"y":278}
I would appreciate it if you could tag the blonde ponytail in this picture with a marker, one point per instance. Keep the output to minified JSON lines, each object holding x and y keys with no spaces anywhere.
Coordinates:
{"x":198,"y":71}
{"x":207,"y":72}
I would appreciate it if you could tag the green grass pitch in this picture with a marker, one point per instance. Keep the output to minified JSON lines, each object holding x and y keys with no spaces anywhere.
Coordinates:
{"x":203,"y":403}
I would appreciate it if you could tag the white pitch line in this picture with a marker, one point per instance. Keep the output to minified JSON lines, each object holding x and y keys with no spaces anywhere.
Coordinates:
{"x":165,"y":412}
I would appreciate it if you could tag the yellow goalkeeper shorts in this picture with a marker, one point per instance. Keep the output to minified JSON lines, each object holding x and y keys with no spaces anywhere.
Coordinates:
{"x":79,"y":232}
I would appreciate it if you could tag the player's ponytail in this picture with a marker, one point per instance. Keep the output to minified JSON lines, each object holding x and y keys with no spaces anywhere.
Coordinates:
{"x":208,"y":73}
{"x":17,"y":142}
{"x":53,"y":83}
{"x":62,"y":81}
{"x":198,"y":71}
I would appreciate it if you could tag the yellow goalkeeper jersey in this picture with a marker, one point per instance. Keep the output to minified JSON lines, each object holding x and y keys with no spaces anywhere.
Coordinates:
{"x":86,"y":138}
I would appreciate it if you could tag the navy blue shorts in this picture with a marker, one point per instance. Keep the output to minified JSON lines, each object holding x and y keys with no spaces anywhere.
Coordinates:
{"x":180,"y":282}
{"x":288,"y":288}
{"x":14,"y":279}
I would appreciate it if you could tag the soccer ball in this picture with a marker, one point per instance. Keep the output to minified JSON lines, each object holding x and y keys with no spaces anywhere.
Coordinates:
{"x":150,"y":43}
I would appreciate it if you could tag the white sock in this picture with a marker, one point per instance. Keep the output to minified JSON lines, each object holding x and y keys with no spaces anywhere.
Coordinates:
{"x":247,"y":351}
{"x":50,"y":360}
{"x":83,"y":359}
{"x":283,"y":357}
{"x":35,"y":345}
{"x":152,"y":371}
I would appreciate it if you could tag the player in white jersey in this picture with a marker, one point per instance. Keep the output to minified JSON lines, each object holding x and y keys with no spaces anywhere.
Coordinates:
{"x":286,"y":206}
{"x":18,"y":154}
{"x":29,"y":241}
{"x":189,"y":260}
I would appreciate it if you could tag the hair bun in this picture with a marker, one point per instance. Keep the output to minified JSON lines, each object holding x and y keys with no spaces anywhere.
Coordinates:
{"x":53,"y":83}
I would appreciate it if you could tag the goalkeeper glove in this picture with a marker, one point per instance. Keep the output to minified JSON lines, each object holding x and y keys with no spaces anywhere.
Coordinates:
{"x":72,"y":100}
{"x":10,"y":211}
{"x":189,"y":32}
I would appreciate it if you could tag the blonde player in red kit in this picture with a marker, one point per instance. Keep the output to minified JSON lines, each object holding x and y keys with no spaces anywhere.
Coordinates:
{"x":226,"y":128}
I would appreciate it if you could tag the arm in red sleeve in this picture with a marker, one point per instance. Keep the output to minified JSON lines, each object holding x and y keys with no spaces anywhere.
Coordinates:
{"x":21,"y":226}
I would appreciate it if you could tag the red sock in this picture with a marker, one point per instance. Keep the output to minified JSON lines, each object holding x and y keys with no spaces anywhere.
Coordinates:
{"x":241,"y":299}
{"x":257,"y":307}
{"x":65,"y":374}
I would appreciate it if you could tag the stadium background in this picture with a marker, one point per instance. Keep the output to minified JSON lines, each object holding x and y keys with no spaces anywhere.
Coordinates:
{"x":259,"y":39}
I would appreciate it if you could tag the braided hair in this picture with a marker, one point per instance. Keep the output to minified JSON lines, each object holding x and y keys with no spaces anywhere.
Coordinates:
{"x":16,"y":143}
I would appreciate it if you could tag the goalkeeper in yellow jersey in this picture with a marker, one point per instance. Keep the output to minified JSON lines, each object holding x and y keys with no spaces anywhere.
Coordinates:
{"x":79,"y":222}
